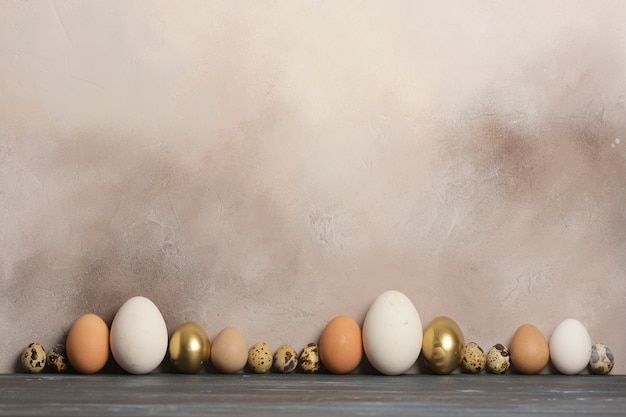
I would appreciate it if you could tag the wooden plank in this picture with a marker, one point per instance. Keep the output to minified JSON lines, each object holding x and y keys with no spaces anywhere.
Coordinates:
{"x":310,"y":395}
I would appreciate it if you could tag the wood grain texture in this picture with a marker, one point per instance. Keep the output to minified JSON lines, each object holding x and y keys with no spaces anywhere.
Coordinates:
{"x":311,"y":395}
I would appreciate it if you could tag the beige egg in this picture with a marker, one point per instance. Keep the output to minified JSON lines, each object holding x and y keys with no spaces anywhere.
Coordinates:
{"x":229,"y":352}
{"x":260,"y":358}
{"x":285,"y":359}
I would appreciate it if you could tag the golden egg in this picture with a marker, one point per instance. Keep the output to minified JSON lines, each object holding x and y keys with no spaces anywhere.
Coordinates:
{"x":189,"y":348}
{"x":443,"y":345}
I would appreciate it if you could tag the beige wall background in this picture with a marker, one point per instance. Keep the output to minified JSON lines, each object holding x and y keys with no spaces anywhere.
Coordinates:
{"x":270,"y":165}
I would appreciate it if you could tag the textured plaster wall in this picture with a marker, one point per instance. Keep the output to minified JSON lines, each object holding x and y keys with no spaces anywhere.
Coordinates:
{"x":270,"y":165}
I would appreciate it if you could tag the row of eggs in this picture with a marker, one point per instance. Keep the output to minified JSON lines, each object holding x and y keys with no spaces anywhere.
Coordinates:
{"x":391,"y":338}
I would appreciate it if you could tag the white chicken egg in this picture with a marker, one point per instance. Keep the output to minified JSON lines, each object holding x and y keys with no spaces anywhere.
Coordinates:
{"x":392,"y":333}
{"x":570,"y":347}
{"x":138,"y":336}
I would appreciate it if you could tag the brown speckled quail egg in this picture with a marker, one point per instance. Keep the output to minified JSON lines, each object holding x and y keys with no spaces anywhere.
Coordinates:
{"x":57,"y":359}
{"x":474,"y":359}
{"x":310,"y":359}
{"x":498,"y":359}
{"x":34,"y":358}
{"x":260,"y":358}
{"x":285,"y":359}
{"x":602,"y":359}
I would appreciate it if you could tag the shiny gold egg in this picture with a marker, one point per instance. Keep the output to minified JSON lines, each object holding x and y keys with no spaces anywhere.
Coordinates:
{"x":189,"y":348}
{"x":443,"y":345}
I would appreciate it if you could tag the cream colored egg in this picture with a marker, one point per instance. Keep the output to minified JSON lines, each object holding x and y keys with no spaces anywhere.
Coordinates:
{"x":570,"y":347}
{"x":138,"y":336}
{"x":392,"y":333}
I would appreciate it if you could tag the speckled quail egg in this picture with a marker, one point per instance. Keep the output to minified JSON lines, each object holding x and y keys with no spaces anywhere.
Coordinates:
{"x":285,"y":359}
{"x":34,"y":358}
{"x":602,"y":359}
{"x":310,"y":358}
{"x":498,"y":359}
{"x":474,"y":359}
{"x":57,"y":359}
{"x":260,"y":358}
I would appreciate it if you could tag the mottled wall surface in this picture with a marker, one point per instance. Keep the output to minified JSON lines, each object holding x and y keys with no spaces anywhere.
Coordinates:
{"x":272,"y":165}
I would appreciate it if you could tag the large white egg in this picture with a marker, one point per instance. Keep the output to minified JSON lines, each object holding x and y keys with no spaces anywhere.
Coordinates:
{"x":570,"y":347}
{"x":138,"y":336}
{"x":392,"y":333}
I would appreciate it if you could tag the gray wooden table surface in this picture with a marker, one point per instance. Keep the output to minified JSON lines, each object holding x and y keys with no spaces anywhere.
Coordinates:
{"x":310,"y":395}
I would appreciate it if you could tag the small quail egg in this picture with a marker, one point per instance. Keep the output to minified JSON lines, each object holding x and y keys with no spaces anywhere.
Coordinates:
{"x":285,"y":359}
{"x":602,"y":359}
{"x":260,"y":358}
{"x":310,"y":359}
{"x":498,"y":359}
{"x":34,"y":358}
{"x":474,"y":359}
{"x":57,"y":359}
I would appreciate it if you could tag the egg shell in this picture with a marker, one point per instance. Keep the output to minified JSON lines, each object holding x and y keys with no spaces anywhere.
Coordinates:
{"x":138,"y":336}
{"x":474,"y":359}
{"x":341,"y":345}
{"x":529,"y":350}
{"x":56,"y":360}
{"x":260,"y":358}
{"x":189,"y":348}
{"x":34,"y":358}
{"x":229,"y":353}
{"x":87,"y":344}
{"x":498,"y":359}
{"x":392,"y":333}
{"x":443,"y":345}
{"x":601,"y":361}
{"x":570,"y":347}
{"x":309,"y":358}
{"x":285,"y":359}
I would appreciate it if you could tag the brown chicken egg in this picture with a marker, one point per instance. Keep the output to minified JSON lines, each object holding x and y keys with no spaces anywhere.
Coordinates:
{"x":341,"y":345}
{"x":87,"y":344}
{"x":529,"y":350}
